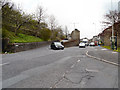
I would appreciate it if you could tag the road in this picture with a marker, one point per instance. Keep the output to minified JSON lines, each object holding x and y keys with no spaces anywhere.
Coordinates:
{"x":68,"y":68}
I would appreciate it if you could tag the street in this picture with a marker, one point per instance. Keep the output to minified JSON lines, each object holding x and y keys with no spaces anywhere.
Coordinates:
{"x":68,"y":68}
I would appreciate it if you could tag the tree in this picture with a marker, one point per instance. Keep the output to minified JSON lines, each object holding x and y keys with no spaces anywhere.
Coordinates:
{"x":40,"y":14}
{"x":53,"y":26}
{"x":66,"y":31}
{"x":45,"y":34}
{"x":112,"y":15}
{"x":13,"y":17}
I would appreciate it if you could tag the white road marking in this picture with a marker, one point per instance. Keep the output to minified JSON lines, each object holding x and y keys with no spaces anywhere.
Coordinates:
{"x":114,"y":52}
{"x":103,"y":49}
{"x":78,"y":61}
{"x":91,"y":70}
{"x":4,"y":64}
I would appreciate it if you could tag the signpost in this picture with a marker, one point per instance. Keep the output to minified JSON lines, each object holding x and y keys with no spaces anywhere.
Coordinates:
{"x":113,"y":40}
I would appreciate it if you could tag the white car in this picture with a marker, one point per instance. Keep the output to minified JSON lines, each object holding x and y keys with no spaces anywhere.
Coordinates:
{"x":92,"y":44}
{"x":82,"y":45}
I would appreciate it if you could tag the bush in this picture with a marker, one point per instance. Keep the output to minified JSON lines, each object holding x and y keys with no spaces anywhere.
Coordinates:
{"x":45,"y":34}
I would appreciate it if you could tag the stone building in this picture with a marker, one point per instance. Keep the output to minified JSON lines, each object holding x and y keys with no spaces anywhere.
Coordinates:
{"x":75,"y":35}
{"x":107,"y":33}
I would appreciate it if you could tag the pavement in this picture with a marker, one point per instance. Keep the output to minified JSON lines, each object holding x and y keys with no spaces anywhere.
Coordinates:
{"x":105,"y":54}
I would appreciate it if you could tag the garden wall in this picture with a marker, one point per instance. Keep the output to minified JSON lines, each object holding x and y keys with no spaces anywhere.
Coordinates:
{"x":17,"y":47}
{"x":71,"y":43}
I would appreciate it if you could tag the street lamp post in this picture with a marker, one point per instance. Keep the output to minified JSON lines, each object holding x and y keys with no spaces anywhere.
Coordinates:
{"x":112,"y":38}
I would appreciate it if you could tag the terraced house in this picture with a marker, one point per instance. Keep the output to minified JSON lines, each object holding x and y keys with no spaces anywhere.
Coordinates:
{"x":107,"y":33}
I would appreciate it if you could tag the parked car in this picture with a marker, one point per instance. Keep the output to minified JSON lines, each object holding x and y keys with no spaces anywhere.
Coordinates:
{"x":56,"y":46}
{"x":92,"y":44}
{"x":82,"y":45}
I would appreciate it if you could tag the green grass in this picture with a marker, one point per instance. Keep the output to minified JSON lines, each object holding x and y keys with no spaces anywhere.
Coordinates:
{"x":20,"y":38}
{"x":108,"y":47}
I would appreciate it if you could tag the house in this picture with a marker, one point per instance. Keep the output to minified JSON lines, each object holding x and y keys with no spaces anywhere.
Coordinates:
{"x":107,"y":33}
{"x":95,"y":39}
{"x":75,"y":35}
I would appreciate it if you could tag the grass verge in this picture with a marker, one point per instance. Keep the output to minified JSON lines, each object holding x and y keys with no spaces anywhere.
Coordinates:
{"x":108,"y":47}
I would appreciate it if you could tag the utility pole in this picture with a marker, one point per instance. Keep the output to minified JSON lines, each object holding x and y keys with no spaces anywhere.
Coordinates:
{"x":119,"y":10}
{"x":112,"y":37}
{"x":74,"y":24}
{"x":95,"y":27}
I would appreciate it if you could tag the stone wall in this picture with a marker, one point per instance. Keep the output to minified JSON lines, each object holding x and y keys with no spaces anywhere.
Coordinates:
{"x":17,"y":47}
{"x":71,"y":43}
{"x":107,"y":41}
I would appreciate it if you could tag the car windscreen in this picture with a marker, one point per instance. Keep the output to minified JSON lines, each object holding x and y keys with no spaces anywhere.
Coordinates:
{"x":82,"y":43}
{"x":57,"y":43}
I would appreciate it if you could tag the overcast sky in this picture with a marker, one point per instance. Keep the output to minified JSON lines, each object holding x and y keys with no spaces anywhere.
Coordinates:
{"x":87,"y":14}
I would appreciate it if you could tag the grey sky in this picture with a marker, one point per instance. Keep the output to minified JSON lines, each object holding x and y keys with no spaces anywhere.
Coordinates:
{"x":86,"y":13}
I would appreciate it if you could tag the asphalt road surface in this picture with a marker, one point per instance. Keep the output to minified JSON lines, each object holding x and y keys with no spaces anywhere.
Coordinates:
{"x":68,"y":68}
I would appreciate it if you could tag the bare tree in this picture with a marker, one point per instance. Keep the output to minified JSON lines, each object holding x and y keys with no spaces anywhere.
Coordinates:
{"x":66,"y":31}
{"x":40,"y":14}
{"x":108,"y":18}
{"x":52,"y":22}
{"x":53,"y":25}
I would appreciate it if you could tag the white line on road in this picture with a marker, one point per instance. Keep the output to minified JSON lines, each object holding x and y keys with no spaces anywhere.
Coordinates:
{"x":91,"y":70}
{"x":114,"y":52}
{"x":4,"y":64}
{"x":78,"y":61}
{"x":103,"y":49}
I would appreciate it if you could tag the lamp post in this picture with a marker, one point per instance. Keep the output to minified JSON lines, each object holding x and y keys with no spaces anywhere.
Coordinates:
{"x":112,"y":38}
{"x":95,"y":27}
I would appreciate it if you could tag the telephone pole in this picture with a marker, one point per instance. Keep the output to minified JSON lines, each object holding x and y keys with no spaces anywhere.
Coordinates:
{"x":74,"y":24}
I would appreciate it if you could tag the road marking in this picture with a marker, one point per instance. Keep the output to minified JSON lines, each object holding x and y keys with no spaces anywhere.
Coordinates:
{"x":78,"y":61}
{"x":114,"y":52}
{"x":4,"y":64}
{"x":103,"y":49}
{"x":91,"y":70}
{"x":102,"y":59}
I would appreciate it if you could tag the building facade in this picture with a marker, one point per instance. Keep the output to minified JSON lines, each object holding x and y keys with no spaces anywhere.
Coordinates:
{"x":75,"y":35}
{"x":107,"y":33}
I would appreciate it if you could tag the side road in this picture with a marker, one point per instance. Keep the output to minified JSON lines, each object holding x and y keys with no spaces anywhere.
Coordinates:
{"x":105,"y":54}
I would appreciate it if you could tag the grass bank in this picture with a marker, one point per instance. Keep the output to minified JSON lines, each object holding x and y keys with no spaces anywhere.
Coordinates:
{"x":108,"y":47}
{"x":20,"y":38}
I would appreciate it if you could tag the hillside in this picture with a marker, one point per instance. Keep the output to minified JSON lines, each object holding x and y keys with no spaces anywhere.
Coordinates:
{"x":19,"y":38}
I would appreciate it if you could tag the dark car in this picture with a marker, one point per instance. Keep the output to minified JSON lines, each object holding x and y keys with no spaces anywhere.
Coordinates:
{"x":56,"y":46}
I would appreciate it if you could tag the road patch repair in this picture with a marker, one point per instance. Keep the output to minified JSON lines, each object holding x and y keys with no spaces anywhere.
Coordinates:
{"x":102,"y":59}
